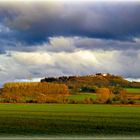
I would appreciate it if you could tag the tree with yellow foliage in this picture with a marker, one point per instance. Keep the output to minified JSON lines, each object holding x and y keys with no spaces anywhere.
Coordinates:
{"x":103,"y":95}
{"x":34,"y":91}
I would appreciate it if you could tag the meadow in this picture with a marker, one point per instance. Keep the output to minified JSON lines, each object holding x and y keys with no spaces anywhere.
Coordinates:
{"x":82,"y":96}
{"x":69,"y":120}
{"x":133,"y":90}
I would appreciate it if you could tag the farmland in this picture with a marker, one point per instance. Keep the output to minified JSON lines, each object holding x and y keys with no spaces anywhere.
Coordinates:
{"x":133,"y":90}
{"x":133,"y":93}
{"x":82,"y":96}
{"x":68,"y":120}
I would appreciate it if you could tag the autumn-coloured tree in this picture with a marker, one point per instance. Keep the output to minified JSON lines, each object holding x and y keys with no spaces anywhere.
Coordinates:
{"x":41,"y":92}
{"x":123,"y":94}
{"x":103,"y":95}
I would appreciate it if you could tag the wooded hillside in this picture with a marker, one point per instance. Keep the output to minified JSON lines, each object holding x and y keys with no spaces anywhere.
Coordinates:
{"x":91,"y":82}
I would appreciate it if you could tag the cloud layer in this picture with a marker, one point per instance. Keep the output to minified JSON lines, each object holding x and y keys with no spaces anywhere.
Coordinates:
{"x":34,"y":22}
{"x":40,"y":39}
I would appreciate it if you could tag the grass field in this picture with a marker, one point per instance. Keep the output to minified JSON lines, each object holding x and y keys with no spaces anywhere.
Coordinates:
{"x":133,"y":90}
{"x":68,"y":120}
{"x":82,"y":96}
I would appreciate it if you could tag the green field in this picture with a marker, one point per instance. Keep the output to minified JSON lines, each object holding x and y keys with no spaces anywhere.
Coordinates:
{"x":68,"y":120}
{"x":82,"y":96}
{"x":133,"y":90}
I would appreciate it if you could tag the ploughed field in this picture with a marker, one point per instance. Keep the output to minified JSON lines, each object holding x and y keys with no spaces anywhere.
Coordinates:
{"x":69,"y":120}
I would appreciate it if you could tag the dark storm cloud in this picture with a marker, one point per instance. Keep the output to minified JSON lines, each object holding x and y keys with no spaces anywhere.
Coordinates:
{"x":7,"y":38}
{"x":35,"y":22}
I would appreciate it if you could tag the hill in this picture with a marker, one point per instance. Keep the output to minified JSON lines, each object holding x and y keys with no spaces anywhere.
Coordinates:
{"x":91,"y":82}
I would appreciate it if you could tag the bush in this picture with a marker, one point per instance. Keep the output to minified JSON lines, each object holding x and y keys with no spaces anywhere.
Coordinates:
{"x":116,"y":98}
{"x":88,"y":89}
{"x":88,"y":101}
{"x":116,"y":89}
{"x":71,"y":101}
{"x":31,"y":101}
{"x":131,"y":101}
{"x":109,"y":101}
{"x":124,"y":101}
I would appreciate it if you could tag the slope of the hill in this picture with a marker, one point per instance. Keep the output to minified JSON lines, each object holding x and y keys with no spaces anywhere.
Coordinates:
{"x":89,"y":82}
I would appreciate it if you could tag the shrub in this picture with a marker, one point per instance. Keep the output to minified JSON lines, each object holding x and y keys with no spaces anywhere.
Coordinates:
{"x":109,"y":101}
{"x":131,"y":101}
{"x":116,"y":89}
{"x":116,"y":98}
{"x":124,"y":101}
{"x":88,"y":101}
{"x":91,"y":89}
{"x":71,"y":101}
{"x":31,"y":101}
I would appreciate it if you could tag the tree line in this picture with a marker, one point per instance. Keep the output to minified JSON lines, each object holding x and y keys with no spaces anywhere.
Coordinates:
{"x":34,"y":92}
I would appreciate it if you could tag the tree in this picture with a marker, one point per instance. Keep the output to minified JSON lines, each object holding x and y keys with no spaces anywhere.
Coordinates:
{"x":123,"y":94}
{"x":103,"y":95}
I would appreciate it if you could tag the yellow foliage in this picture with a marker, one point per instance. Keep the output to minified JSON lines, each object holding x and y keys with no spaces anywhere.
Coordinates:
{"x":41,"y":92}
{"x":123,"y":94}
{"x":103,"y":95}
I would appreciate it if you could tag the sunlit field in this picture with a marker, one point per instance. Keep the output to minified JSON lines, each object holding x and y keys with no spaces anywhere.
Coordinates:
{"x":69,"y":120}
{"x":133,"y":90}
{"x":82,"y":96}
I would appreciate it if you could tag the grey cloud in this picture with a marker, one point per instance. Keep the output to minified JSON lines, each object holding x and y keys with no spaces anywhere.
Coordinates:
{"x":71,"y":44}
{"x":92,"y":43}
{"x":36,"y":21}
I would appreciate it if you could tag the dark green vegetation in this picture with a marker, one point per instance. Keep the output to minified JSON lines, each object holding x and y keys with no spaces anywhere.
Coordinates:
{"x":69,"y":120}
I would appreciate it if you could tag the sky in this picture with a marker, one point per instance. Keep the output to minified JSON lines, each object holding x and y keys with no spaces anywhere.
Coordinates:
{"x":40,"y":39}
